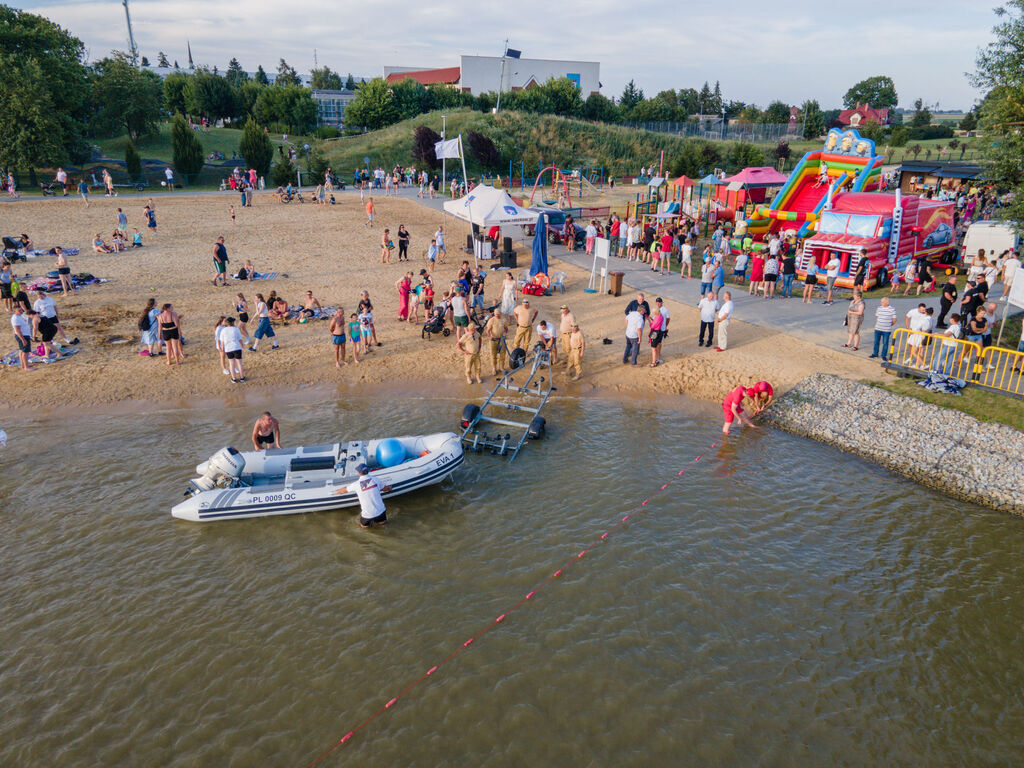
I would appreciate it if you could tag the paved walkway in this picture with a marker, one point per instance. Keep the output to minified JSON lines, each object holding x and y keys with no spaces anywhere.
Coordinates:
{"x":815,"y":322}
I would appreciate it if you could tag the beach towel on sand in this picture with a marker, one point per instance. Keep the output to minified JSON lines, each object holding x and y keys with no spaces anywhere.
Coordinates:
{"x":295,"y":311}
{"x":50,"y":284}
{"x":258,"y":276}
{"x":11,"y":358}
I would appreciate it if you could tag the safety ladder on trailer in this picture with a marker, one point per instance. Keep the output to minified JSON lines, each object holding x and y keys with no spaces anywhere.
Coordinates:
{"x":894,"y":235}
{"x":536,"y":389}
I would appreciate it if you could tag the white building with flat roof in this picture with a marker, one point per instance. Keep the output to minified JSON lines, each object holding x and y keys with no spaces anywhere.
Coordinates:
{"x":481,"y":74}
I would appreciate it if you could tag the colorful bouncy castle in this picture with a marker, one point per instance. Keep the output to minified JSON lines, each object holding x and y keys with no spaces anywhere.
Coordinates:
{"x":847,"y":161}
{"x":887,"y":229}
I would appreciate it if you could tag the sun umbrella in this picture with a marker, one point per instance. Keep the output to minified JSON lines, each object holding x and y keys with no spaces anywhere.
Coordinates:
{"x":540,"y":247}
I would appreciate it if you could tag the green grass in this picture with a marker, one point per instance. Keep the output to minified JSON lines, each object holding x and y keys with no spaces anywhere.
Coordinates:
{"x":982,"y":405}
{"x":899,"y":154}
{"x":524,"y":137}
{"x":157,"y":146}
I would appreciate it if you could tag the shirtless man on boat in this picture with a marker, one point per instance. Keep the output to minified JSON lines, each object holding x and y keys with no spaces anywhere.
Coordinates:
{"x":266,"y":433}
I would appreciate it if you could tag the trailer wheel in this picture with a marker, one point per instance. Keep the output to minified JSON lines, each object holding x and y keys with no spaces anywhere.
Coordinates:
{"x":537,"y":428}
{"x":516,"y":358}
{"x":470,"y":413}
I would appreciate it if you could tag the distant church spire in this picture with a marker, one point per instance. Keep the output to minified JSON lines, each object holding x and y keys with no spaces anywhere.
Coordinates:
{"x":190,"y":64}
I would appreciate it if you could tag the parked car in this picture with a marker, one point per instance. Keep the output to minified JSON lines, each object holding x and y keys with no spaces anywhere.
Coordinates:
{"x":556,"y":225}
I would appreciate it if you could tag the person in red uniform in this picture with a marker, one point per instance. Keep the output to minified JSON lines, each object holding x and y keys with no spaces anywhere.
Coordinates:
{"x":764,"y":395}
{"x":732,"y":408}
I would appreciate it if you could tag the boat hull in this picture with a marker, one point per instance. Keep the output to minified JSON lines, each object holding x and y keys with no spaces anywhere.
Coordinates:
{"x":319,"y":495}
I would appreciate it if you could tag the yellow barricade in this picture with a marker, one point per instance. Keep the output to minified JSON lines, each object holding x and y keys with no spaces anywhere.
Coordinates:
{"x":931,"y":352}
{"x":1001,"y":369}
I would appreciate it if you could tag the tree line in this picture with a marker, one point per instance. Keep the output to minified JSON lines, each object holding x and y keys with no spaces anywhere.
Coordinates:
{"x":52,"y":102}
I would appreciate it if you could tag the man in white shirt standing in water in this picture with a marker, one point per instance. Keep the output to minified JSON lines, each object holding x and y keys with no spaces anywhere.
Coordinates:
{"x":371,"y":505}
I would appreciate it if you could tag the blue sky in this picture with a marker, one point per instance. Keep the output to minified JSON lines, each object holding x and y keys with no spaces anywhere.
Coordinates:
{"x":758,"y":50}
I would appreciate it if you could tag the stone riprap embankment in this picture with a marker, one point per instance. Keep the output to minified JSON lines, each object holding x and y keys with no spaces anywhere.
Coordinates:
{"x":939,"y":447}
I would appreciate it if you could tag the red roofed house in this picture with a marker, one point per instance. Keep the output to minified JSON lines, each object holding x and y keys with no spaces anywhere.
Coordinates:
{"x":444,"y":76}
{"x":864,"y":113}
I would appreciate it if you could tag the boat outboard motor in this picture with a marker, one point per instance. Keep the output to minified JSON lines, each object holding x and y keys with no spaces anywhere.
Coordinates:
{"x":223,"y":468}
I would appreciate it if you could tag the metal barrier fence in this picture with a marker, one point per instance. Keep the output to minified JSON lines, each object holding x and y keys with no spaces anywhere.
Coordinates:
{"x":1000,"y":370}
{"x":735,"y":131}
{"x":993,"y":368}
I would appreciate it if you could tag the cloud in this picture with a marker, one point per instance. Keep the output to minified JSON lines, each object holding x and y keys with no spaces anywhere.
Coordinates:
{"x":758,"y":50}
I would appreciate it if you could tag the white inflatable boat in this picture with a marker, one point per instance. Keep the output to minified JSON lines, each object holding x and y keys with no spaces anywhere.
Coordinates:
{"x":288,"y":481}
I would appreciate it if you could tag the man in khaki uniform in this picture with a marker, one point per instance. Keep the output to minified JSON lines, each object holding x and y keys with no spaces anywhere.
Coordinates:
{"x":565,"y":324}
{"x":494,"y":331}
{"x":576,"y":347}
{"x":524,"y":322}
{"x":469,"y":346}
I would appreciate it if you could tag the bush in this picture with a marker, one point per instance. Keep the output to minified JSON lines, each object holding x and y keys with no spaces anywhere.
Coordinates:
{"x":132,"y":162}
{"x":327,"y":132}
{"x":186,"y":151}
{"x":483,"y":149}
{"x":256,"y":148}
{"x":927,"y":132}
{"x":900,"y":136}
{"x":283,"y":173}
{"x":316,"y":164}
{"x":423,"y":140}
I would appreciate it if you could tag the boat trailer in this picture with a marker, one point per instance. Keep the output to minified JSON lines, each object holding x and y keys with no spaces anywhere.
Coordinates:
{"x":534,"y":393}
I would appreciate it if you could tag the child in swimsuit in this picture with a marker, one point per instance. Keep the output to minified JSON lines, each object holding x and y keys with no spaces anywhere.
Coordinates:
{"x":355,"y":334}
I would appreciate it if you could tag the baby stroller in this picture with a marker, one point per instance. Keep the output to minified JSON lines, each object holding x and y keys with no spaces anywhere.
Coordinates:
{"x":13,"y":249}
{"x":435,"y":323}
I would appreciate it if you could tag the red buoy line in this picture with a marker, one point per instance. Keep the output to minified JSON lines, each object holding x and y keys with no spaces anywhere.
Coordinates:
{"x":463,"y":646}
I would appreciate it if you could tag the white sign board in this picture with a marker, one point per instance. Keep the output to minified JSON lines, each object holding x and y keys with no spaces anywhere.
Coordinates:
{"x":601,"y":251}
{"x":1016,"y":296}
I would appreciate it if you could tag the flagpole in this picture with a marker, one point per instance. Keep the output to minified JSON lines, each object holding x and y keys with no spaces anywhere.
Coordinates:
{"x":501,"y":77}
{"x":444,"y":181}
{"x":469,"y":206}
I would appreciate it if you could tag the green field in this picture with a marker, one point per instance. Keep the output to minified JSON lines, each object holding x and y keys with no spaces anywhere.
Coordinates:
{"x":157,"y":146}
{"x":982,"y":405}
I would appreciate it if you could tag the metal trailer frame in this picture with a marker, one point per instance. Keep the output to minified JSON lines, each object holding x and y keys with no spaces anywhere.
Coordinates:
{"x":536,"y":386}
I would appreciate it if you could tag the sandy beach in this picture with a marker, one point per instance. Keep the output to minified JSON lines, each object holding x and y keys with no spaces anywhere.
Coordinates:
{"x":327,"y":250}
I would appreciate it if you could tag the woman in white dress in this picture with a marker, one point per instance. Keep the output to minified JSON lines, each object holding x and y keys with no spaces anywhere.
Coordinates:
{"x":508,"y":295}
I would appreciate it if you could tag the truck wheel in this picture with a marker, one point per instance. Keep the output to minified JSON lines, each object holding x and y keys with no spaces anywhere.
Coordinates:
{"x":537,"y":428}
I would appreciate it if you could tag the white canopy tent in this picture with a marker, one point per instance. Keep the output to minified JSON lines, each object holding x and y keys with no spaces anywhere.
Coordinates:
{"x":487,"y":206}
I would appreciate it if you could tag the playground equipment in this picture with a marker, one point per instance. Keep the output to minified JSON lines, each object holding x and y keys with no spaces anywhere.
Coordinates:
{"x":845,"y":161}
{"x":557,"y":177}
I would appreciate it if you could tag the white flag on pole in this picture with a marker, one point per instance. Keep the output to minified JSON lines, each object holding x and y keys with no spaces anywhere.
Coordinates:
{"x":446,"y":149}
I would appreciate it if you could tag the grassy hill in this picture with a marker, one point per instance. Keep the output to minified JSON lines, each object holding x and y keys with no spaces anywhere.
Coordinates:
{"x":520,"y":137}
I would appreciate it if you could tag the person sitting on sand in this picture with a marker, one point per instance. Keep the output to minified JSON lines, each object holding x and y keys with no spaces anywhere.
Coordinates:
{"x":26,"y":242}
{"x":311,"y":306}
{"x":117,"y":241}
{"x":136,"y":238}
{"x":278,"y":307}
{"x":98,"y":246}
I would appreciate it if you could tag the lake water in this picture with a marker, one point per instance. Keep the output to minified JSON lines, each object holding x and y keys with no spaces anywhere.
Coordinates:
{"x":783,"y":604}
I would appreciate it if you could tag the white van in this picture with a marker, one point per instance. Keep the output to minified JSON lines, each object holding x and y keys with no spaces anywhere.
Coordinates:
{"x":994,"y":236}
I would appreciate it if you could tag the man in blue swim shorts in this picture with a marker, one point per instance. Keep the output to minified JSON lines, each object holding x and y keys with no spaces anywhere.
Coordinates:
{"x":338,"y":337}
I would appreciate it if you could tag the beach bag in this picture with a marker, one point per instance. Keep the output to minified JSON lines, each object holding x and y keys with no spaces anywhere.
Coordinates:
{"x":533,"y":289}
{"x":144,"y":323}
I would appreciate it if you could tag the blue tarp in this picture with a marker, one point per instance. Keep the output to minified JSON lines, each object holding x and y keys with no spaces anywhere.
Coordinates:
{"x":540,"y":247}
